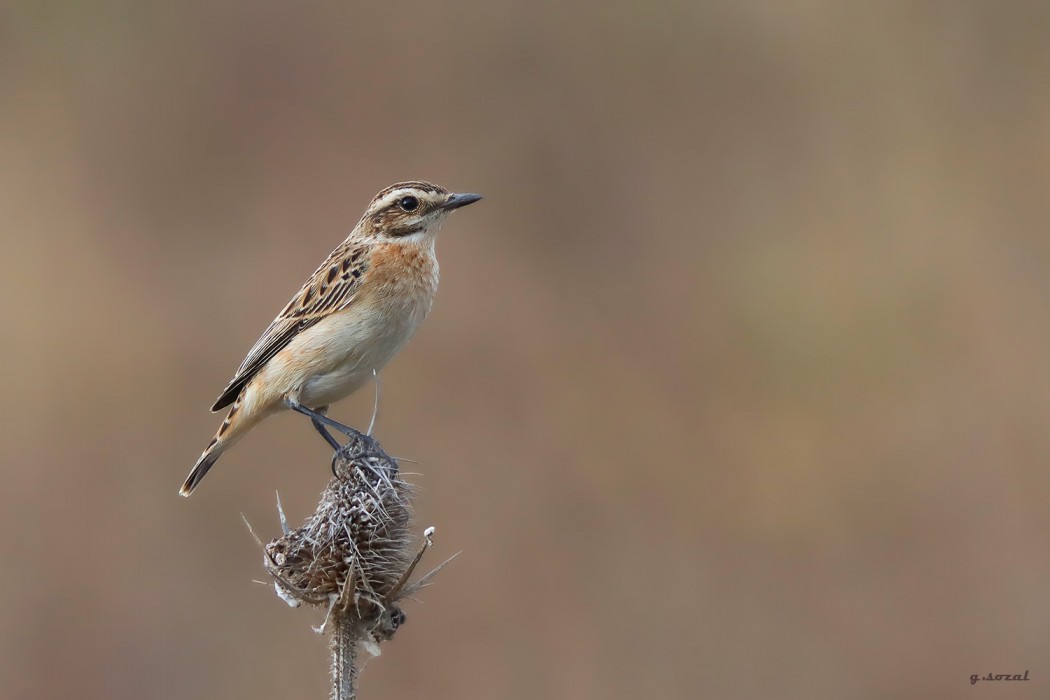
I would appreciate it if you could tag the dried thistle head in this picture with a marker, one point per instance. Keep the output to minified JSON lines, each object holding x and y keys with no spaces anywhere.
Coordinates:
{"x":355,"y":553}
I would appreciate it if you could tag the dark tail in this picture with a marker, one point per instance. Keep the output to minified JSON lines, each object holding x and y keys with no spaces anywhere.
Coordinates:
{"x":199,"y":470}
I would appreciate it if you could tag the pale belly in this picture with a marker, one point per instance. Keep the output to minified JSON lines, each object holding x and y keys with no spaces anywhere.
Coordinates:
{"x":324,"y":389}
{"x":338,"y":356}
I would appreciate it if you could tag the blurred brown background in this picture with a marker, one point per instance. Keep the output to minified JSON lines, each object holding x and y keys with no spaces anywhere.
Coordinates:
{"x":736,"y":385}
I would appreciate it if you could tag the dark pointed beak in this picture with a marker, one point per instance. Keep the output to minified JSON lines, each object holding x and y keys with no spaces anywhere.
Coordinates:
{"x":456,"y":201}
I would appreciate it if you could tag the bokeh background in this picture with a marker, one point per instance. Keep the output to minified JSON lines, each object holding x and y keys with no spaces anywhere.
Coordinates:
{"x":736,"y":385}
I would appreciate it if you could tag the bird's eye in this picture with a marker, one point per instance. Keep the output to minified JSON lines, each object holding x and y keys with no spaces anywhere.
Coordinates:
{"x":408,"y":203}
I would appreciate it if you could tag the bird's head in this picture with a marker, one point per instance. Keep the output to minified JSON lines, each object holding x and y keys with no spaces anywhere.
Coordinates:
{"x":409,"y":211}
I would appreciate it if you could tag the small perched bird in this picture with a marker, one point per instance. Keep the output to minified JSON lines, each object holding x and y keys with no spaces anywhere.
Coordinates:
{"x":350,"y":318}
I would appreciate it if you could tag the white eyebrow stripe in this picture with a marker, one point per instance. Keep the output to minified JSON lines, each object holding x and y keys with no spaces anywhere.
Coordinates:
{"x":394,"y":196}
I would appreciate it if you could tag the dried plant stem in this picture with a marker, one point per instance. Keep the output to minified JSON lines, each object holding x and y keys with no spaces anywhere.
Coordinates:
{"x":344,"y":658}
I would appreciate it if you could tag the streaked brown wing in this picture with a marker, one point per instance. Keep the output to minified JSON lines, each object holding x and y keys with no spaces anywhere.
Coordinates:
{"x":331,"y":288}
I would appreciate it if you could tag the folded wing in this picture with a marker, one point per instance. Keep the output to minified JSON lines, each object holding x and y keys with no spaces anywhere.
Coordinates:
{"x":331,"y":288}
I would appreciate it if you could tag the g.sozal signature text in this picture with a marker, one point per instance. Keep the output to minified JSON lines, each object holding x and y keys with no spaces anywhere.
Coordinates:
{"x":999,"y":677}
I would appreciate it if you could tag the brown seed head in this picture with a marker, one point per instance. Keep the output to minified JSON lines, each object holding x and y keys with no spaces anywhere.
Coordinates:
{"x":353,"y":553}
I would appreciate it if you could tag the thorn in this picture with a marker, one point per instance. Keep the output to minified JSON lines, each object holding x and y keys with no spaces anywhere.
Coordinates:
{"x":280,"y":511}
{"x":428,"y":542}
{"x":425,"y":580}
{"x":252,"y":531}
{"x":375,"y":406}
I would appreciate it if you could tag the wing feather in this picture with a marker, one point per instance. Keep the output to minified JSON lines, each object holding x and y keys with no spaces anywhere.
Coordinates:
{"x":331,"y":288}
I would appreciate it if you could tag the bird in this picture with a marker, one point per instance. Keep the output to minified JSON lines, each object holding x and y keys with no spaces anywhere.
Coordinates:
{"x":353,"y":314}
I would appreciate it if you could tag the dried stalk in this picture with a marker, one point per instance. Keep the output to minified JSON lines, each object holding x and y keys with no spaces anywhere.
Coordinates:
{"x":344,"y":658}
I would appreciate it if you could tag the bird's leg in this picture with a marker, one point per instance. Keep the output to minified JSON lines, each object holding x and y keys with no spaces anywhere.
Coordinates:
{"x":323,"y":410}
{"x":326,"y":435}
{"x":320,"y":422}
{"x":317,"y":417}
